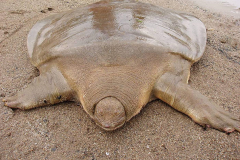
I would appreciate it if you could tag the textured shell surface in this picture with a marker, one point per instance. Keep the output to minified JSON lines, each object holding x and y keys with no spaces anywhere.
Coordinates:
{"x":107,"y":21}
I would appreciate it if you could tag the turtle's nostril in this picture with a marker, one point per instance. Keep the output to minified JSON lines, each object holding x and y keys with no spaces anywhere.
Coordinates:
{"x":107,"y":126}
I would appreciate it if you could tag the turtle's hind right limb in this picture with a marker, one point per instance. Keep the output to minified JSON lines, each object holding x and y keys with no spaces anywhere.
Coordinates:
{"x":202,"y":110}
{"x":48,"y":88}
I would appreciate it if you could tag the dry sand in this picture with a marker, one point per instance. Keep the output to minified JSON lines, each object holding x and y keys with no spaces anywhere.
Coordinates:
{"x":65,"y":131}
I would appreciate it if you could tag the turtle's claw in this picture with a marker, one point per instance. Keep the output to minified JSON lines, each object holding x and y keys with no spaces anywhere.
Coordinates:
{"x":228,"y":130}
{"x":217,"y":118}
{"x":12,"y":102}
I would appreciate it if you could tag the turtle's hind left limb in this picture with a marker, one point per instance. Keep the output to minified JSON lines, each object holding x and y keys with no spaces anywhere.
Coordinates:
{"x":48,"y":88}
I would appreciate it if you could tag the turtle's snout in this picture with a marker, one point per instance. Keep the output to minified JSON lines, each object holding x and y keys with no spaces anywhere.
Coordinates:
{"x":109,"y":113}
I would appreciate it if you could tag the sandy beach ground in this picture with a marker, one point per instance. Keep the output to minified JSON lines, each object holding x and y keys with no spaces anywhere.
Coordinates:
{"x":65,"y":131}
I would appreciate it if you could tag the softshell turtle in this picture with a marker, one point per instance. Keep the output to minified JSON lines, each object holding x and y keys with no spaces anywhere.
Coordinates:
{"x":115,"y":57}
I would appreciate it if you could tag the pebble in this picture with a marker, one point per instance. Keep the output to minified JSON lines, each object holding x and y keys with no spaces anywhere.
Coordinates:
{"x":53,"y":149}
{"x":50,"y":9}
{"x":164,"y":146}
{"x":223,"y":40}
{"x":210,"y":29}
{"x":2,"y":95}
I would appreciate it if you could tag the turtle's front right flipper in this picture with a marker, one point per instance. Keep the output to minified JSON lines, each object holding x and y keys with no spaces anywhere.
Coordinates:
{"x":49,"y":88}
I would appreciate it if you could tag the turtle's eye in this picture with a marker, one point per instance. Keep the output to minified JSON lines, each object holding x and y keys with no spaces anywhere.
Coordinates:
{"x":117,"y":112}
{"x":100,"y":112}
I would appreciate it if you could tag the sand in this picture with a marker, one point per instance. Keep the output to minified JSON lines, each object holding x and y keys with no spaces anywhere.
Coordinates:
{"x":65,"y":131}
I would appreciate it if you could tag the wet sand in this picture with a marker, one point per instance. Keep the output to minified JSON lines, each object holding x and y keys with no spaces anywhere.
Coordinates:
{"x":226,"y":7}
{"x":65,"y":131}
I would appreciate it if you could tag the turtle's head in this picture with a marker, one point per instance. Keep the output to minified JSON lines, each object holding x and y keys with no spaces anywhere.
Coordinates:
{"x":109,"y":113}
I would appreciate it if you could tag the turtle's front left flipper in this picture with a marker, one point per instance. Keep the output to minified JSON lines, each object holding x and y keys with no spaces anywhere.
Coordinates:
{"x":49,"y":88}
{"x":203,"y":111}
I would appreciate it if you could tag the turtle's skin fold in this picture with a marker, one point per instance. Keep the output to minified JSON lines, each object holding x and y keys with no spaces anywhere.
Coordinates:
{"x":116,"y":56}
